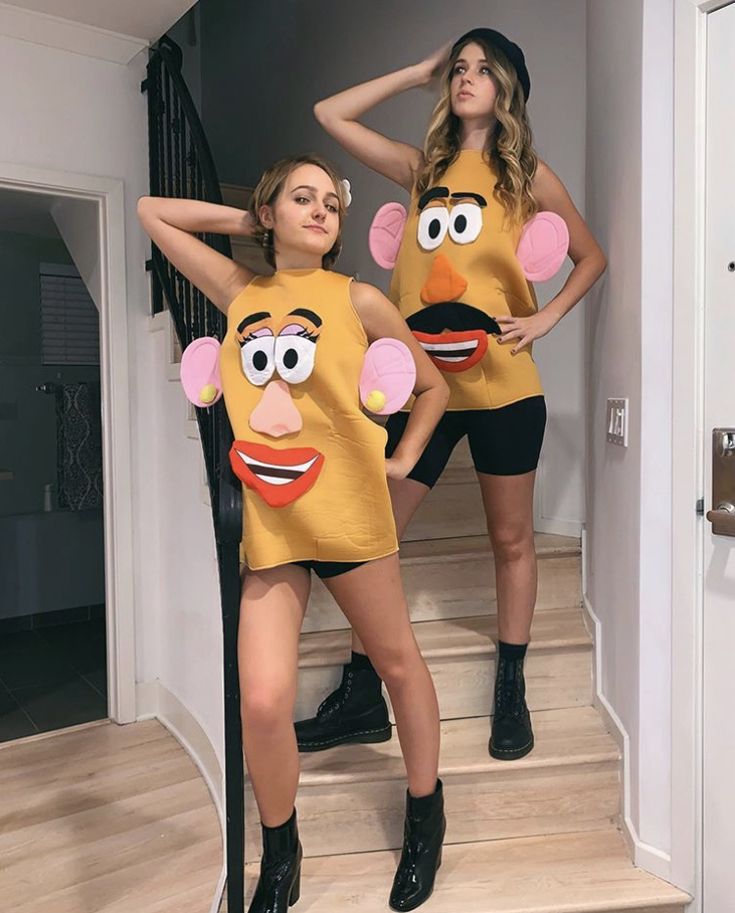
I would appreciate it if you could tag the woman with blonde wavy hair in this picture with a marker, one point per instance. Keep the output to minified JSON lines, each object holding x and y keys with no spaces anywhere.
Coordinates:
{"x":462,"y":280}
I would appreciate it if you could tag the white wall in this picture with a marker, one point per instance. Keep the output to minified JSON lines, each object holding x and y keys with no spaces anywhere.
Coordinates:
{"x":629,"y":183}
{"x":67,"y":112}
{"x":264,"y":68}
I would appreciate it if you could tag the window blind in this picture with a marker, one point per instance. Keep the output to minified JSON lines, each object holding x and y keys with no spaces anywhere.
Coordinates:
{"x":69,"y":319}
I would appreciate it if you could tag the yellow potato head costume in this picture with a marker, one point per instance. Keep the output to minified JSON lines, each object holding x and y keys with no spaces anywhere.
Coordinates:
{"x":294,"y":367}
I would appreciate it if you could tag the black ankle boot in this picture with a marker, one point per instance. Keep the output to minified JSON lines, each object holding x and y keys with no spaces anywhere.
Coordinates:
{"x":355,"y":712}
{"x":512,"y":736}
{"x":279,"y":884}
{"x":423,"y":835}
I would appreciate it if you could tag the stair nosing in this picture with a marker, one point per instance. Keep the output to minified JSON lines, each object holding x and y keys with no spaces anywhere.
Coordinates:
{"x":479,"y":549}
{"x":574,"y":719}
{"x":331,"y":656}
{"x":608,"y":758}
{"x":669,"y":896}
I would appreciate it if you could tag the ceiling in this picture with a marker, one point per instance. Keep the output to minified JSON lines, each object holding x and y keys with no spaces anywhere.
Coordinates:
{"x":137,"y":18}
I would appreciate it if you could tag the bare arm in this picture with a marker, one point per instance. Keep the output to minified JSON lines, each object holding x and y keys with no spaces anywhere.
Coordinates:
{"x":171,"y":224}
{"x":380,"y":318}
{"x":584,"y":251}
{"x":339,"y":115}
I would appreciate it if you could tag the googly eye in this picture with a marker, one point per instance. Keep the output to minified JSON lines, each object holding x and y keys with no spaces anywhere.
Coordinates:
{"x":465,"y":223}
{"x":257,"y":359}
{"x":432,"y":228}
{"x":294,"y":357}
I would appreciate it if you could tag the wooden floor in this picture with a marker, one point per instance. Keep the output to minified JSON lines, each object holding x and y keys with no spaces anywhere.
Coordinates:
{"x":106,"y":819}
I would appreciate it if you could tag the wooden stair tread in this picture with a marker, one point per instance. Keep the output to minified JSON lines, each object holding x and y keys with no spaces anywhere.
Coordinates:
{"x":563,"y":737}
{"x":586,"y":872}
{"x":433,"y":550}
{"x":562,"y":628}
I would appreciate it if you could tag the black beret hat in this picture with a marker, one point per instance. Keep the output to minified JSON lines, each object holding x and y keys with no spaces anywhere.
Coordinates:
{"x":511,"y":51}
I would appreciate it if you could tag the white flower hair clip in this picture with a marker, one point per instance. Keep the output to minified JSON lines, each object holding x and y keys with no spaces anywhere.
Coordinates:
{"x":348,"y":196}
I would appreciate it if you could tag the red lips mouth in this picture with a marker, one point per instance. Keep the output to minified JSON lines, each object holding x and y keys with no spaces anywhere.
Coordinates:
{"x":280,"y":477}
{"x":454,"y":351}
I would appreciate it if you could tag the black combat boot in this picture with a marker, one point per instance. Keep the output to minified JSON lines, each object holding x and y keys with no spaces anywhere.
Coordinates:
{"x":512,"y":735}
{"x":279,"y":884}
{"x":355,"y":712}
{"x":423,"y":834}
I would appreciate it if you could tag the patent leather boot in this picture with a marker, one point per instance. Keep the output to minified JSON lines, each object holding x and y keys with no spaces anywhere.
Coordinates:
{"x":423,"y":836}
{"x":279,"y":884}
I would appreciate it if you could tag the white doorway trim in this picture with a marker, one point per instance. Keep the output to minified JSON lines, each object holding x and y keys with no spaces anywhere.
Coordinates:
{"x":107,"y":193}
{"x":688,"y":444}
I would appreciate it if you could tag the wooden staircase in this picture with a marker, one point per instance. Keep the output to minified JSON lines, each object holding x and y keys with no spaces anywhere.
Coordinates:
{"x":531,"y":836}
{"x":538,"y":835}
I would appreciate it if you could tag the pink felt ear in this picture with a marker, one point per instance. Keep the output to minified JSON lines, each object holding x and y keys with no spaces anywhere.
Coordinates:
{"x":388,"y":376}
{"x":386,"y":231}
{"x":200,"y":375}
{"x":543,"y":246}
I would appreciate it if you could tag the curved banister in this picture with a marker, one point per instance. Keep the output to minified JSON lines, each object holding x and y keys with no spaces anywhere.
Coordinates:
{"x":181,"y":165}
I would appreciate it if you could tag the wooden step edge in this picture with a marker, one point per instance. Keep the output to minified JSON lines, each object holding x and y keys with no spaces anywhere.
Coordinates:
{"x":464,"y":750}
{"x":379,"y":865}
{"x":572,"y":642}
{"x":427,"y":551}
{"x":457,"y":475}
{"x":395,"y":770}
{"x":333,"y":654}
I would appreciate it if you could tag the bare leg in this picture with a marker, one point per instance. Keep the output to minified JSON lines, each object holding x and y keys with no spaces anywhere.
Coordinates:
{"x":372,"y":598}
{"x":271,"y":613}
{"x":406,"y":496}
{"x":508,"y":504}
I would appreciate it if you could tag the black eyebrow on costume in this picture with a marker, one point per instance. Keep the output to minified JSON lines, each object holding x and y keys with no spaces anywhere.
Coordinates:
{"x":478,"y":198}
{"x":434,"y":193}
{"x":253,"y":318}
{"x":310,"y":315}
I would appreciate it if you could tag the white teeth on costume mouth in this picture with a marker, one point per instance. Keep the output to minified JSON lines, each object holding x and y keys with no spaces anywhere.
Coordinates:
{"x":276,"y":475}
{"x":451,"y":351}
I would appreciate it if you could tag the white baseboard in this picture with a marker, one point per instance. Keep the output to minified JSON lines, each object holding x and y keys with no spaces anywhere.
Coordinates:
{"x":155,"y":701}
{"x":557,"y":527}
{"x":644,"y":855}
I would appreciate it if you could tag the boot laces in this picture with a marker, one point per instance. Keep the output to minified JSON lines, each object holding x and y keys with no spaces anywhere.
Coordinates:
{"x":332,"y":702}
{"x":509,"y":697}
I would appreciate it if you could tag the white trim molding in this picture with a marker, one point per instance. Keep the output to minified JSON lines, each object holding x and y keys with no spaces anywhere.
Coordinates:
{"x":107,"y":193}
{"x":687,"y":446}
{"x":644,"y":855}
{"x":68,"y":35}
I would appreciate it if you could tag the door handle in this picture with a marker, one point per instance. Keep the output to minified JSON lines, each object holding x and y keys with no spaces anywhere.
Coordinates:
{"x":722,"y":517}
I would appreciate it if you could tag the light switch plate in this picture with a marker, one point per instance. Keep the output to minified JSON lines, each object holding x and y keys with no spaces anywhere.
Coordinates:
{"x":617,"y":421}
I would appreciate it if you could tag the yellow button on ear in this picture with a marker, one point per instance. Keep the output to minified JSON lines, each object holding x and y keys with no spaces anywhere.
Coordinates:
{"x":208,"y":393}
{"x":375,"y":400}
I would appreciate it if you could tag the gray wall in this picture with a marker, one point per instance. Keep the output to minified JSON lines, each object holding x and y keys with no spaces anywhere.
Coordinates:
{"x":264,"y":67}
{"x":187,"y":34}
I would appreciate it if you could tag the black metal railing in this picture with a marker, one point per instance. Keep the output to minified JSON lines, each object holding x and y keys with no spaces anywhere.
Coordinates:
{"x":181,"y":165}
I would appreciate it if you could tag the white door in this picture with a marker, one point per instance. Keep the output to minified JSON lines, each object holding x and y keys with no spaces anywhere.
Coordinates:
{"x":719,"y":412}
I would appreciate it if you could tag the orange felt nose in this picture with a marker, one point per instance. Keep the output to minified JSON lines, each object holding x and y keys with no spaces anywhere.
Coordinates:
{"x":444,"y":282}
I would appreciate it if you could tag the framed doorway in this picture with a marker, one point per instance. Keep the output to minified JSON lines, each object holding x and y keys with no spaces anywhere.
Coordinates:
{"x":104,"y":232}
